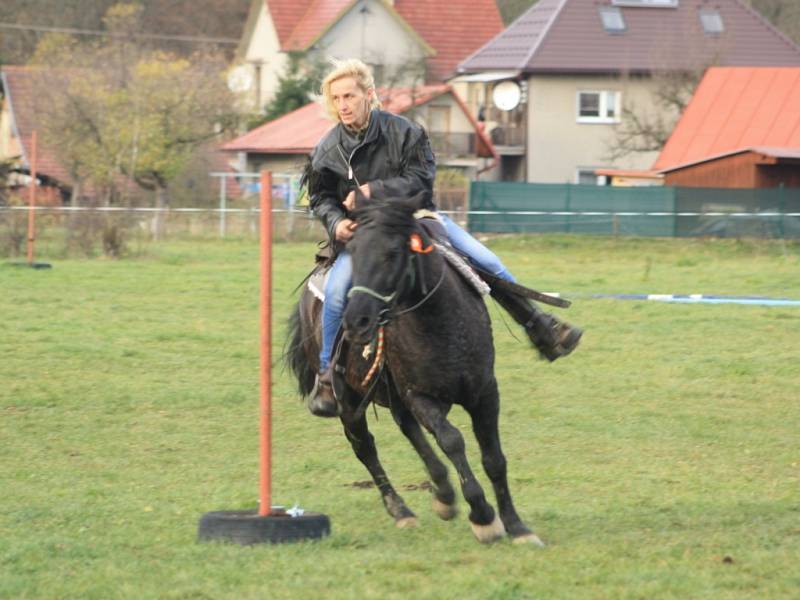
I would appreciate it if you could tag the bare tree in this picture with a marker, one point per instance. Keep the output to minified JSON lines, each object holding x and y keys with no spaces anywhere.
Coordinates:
{"x":646,"y":128}
{"x":784,"y":14}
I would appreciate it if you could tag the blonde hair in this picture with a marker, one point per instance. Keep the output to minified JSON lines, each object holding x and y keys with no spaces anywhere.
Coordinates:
{"x":351,"y":67}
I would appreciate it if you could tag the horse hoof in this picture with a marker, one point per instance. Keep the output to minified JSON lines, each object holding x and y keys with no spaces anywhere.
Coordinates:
{"x":444,"y":511}
{"x":529,"y":538}
{"x":406,"y":523}
{"x":486,"y":534}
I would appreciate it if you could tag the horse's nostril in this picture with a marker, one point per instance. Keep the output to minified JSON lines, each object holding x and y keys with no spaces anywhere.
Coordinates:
{"x":363,"y":323}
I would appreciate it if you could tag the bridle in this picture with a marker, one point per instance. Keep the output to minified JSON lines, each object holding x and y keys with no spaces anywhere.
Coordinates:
{"x":407,"y":280}
{"x":413,"y":264}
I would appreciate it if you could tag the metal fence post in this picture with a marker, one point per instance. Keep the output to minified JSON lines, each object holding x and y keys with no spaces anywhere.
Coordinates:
{"x":674,"y":194}
{"x":222,"y":204}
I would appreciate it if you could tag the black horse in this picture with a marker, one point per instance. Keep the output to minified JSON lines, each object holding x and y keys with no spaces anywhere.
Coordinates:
{"x":438,"y":352}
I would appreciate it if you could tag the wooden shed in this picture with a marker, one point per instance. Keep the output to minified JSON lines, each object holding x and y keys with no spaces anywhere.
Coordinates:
{"x":756,"y":167}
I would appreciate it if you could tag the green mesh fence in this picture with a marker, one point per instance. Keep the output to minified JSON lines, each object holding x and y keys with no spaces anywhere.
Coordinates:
{"x":511,"y":207}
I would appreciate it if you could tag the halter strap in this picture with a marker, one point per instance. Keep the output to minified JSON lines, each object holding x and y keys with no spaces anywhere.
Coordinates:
{"x":356,"y":289}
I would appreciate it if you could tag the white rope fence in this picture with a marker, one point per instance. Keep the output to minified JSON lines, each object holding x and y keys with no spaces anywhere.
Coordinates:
{"x":562,"y":213}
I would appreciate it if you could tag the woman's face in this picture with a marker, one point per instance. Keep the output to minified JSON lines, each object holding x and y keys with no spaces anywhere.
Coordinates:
{"x":351,"y":102}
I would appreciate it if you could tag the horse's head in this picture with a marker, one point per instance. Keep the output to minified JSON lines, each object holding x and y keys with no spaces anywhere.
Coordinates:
{"x":380,"y":249}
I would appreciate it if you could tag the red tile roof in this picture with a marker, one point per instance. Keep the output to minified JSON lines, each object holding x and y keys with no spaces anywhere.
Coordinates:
{"x":453,"y":28}
{"x":318,"y":17}
{"x":296,"y":132}
{"x":299,"y":131}
{"x":568,"y":36}
{"x":737,"y":108}
{"x":286,"y":14}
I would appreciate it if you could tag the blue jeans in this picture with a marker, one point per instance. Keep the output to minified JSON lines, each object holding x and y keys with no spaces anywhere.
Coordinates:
{"x":340,"y":281}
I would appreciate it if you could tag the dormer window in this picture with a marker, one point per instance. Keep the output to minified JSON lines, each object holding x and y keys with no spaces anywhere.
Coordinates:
{"x":613,"y":22}
{"x":711,"y":21}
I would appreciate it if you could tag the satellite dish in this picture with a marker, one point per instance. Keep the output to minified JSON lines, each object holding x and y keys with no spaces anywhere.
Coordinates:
{"x":506,"y":95}
{"x":240,"y":79}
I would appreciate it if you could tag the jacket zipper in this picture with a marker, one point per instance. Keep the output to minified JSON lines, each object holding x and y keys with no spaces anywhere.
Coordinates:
{"x":350,"y":173}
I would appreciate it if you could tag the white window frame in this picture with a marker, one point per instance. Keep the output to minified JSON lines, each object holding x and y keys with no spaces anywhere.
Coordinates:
{"x":603,"y":107}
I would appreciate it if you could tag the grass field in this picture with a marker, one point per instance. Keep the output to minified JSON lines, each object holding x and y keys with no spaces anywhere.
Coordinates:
{"x":661,"y":460}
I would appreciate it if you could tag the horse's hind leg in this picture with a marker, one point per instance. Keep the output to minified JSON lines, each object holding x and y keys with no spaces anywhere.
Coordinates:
{"x":444,"y":496}
{"x":432,"y":416}
{"x":484,"y":424}
{"x":363,"y":445}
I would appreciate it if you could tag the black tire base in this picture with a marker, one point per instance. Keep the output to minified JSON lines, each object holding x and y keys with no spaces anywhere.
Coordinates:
{"x":247,"y":527}
{"x":33,"y":265}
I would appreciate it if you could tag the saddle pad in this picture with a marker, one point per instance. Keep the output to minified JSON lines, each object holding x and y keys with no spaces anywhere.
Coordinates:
{"x":316,"y":283}
{"x":463,"y":268}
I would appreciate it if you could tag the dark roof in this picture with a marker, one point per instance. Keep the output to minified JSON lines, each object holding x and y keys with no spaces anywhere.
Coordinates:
{"x":567,"y":36}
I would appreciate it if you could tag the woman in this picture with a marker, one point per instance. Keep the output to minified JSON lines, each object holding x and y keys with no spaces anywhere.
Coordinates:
{"x":386,"y":154}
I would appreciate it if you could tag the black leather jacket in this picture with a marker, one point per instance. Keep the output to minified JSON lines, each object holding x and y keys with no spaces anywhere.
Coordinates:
{"x":395,"y":158}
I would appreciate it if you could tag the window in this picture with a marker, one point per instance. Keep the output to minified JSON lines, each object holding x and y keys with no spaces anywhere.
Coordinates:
{"x":651,"y":3}
{"x":588,"y":176}
{"x":599,"y":107}
{"x":612,"y":19}
{"x":711,"y":21}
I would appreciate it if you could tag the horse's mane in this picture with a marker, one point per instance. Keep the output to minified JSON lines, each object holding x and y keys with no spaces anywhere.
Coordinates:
{"x":386,"y":215}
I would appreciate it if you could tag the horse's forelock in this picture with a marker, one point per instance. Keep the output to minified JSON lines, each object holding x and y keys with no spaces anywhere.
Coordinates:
{"x":386,"y":215}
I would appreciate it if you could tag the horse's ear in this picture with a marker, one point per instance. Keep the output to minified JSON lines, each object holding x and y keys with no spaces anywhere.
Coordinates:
{"x":414,"y":203}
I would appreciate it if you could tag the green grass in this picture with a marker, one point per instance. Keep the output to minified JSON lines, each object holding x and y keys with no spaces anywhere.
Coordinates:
{"x":668,"y":442}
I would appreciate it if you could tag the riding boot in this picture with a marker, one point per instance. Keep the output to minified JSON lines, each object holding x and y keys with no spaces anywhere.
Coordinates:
{"x":322,"y":401}
{"x":551,"y":337}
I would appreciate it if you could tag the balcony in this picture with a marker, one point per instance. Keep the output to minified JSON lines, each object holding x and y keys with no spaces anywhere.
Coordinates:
{"x":453,"y":145}
{"x":508,"y":139}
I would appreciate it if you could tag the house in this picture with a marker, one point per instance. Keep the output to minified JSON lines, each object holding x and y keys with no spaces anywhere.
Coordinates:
{"x":407,"y":42}
{"x":281,"y":145}
{"x":740,"y":130}
{"x":559,"y":80}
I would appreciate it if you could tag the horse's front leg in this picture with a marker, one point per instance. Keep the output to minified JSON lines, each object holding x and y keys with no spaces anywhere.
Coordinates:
{"x":363,"y":444}
{"x":444,"y":496}
{"x":432,"y":415}
{"x":484,"y":423}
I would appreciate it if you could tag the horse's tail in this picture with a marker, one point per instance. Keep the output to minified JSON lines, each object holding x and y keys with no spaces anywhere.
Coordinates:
{"x":295,"y":355}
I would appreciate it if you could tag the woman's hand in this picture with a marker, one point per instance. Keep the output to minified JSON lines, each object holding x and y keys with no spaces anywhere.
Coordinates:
{"x":350,"y":200}
{"x":345,"y":229}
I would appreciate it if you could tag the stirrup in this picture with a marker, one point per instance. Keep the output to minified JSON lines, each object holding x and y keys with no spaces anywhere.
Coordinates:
{"x":322,"y":401}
